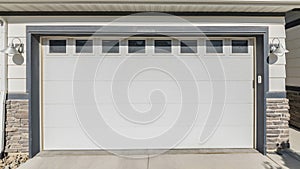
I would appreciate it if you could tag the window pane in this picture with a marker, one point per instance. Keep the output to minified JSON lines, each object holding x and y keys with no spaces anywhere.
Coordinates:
{"x":239,"y":46}
{"x":57,"y":46}
{"x":214,"y":46}
{"x":188,"y":46}
{"x":163,"y":46}
{"x":84,"y":46}
{"x":136,"y":46}
{"x":110,"y":46}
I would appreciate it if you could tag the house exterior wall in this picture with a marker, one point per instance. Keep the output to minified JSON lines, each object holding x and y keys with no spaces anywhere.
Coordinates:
{"x":277,"y":114}
{"x":293,"y":76}
{"x":293,"y":57}
{"x":17,"y":28}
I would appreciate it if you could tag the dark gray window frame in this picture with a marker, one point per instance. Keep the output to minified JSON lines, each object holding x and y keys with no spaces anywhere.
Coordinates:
{"x":33,"y":34}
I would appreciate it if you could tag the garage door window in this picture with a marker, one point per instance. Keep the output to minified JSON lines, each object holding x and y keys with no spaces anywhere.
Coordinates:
{"x":214,"y":46}
{"x":239,"y":46}
{"x":188,"y":46}
{"x":84,"y":46}
{"x":136,"y":46}
{"x":57,"y":46}
{"x":110,"y":46}
{"x":163,"y":46}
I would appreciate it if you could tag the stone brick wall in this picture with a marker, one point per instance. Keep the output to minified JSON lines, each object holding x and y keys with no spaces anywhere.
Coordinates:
{"x":277,"y":124}
{"x":16,"y":126}
{"x":294,"y":98}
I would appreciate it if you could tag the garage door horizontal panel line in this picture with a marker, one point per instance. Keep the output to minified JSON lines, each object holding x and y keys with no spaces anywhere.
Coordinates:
{"x":110,"y":103}
{"x":157,"y":127}
{"x":141,"y":60}
{"x":144,"y":58}
{"x":87,"y":81}
{"x":133,"y":126}
{"x":163,"y":122}
{"x":202,"y":101}
{"x":80,"y":81}
{"x":177,"y":125}
{"x":88,"y":105}
{"x":167,"y":103}
{"x":156,"y":56}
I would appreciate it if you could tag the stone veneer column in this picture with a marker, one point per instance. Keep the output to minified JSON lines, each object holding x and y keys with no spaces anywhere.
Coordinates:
{"x":16,"y":127}
{"x":277,"y":124}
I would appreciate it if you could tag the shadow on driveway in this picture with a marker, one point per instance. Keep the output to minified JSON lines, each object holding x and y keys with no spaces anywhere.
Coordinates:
{"x":287,"y":159}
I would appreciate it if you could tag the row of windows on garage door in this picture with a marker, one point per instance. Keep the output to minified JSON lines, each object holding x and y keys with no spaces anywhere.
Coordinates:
{"x":157,"y":46}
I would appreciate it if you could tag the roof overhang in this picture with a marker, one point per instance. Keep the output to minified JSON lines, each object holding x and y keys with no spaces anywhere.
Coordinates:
{"x":150,"y":5}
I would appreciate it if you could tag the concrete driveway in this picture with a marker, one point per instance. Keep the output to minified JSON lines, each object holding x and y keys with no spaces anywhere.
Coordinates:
{"x":295,"y":139}
{"x":187,"y":160}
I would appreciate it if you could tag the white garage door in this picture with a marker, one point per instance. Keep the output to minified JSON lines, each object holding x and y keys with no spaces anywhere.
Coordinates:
{"x":182,"y":93}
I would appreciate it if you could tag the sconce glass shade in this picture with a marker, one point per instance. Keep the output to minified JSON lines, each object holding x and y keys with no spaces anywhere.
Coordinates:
{"x":277,"y":48}
{"x":280,"y":51}
{"x":11,"y":50}
{"x":14,"y":48}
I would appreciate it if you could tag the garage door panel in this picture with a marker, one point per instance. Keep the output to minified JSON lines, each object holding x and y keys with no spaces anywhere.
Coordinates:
{"x":241,"y":112}
{"x":64,"y":68}
{"x":223,"y":137}
{"x":71,"y":68}
{"x":70,"y":138}
{"x":58,"y":92}
{"x":168,"y":116}
{"x":58,"y":139}
{"x":172,"y":112}
{"x":139,"y":91}
{"x":166,"y":67}
{"x":230,"y":91}
{"x":216,"y":68}
{"x":62,"y":91}
{"x":234,"y":69}
{"x":56,"y":118}
{"x":237,"y":111}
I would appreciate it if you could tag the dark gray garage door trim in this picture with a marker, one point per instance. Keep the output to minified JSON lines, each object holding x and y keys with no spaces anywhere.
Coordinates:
{"x":33,"y":64}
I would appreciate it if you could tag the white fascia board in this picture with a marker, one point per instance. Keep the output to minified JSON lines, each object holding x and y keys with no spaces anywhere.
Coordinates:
{"x":203,"y":2}
{"x":151,"y":5}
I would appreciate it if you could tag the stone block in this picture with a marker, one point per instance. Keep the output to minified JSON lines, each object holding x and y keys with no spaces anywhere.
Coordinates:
{"x":277,"y":123}
{"x":16,"y":126}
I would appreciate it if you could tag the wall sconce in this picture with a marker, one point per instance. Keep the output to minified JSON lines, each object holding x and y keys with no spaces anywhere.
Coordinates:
{"x":15,"y":48}
{"x":277,"y":48}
